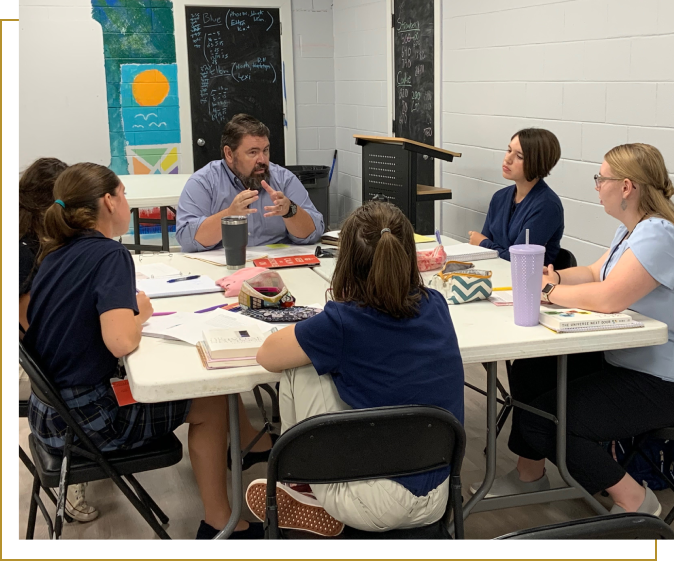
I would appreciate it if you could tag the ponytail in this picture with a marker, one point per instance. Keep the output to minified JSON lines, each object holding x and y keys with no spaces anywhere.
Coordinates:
{"x":75,"y":209}
{"x":35,"y":194}
{"x":377,"y":264}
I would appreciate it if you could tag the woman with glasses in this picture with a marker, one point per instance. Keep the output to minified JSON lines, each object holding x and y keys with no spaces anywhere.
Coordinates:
{"x":384,"y":339}
{"x":528,"y":204}
{"x":611,"y":394}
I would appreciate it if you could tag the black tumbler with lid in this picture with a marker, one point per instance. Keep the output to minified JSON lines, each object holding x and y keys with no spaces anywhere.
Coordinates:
{"x":234,"y":236}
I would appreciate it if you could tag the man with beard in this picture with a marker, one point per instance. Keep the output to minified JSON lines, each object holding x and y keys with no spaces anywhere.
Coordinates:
{"x":245,"y":183}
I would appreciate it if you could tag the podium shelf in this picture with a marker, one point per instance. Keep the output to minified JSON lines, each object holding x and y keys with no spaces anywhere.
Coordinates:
{"x":430,"y":193}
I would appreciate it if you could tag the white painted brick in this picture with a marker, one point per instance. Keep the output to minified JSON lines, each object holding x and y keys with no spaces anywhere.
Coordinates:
{"x":343,"y":21}
{"x":343,"y":139}
{"x":375,"y":44}
{"x":598,"y":139}
{"x":357,"y":40}
{"x":480,"y":131}
{"x":365,"y":116}
{"x":470,"y":193}
{"x":459,"y":220}
{"x":453,"y":8}
{"x":631,"y":103}
{"x":607,"y":61}
{"x":327,"y":138}
{"x":313,"y":70}
{"x":584,"y":101}
{"x":307,"y":139}
{"x":665,"y":17}
{"x":315,"y":115}
{"x":317,"y":45}
{"x":569,"y":135}
{"x":373,"y":94}
{"x":488,"y":30}
{"x":305,"y":92}
{"x":651,"y":58}
{"x":380,"y":120}
{"x":659,"y":138}
{"x":525,"y":63}
{"x":356,"y":188}
{"x":664,"y":105}
{"x":312,"y":22}
{"x":325,"y":92}
{"x":454,"y":34}
{"x":632,"y":17}
{"x":585,"y":19}
{"x":588,"y":222}
{"x":347,"y":162}
{"x":344,"y":93}
{"x":574,"y":180}
{"x":544,"y":100}
{"x":563,"y":62}
{"x":477,"y":65}
{"x":346,"y":115}
{"x":479,"y":163}
{"x":584,"y":252}
{"x":323,"y":5}
{"x":341,"y":45}
{"x":344,"y":181}
{"x":302,"y":5}
{"x":372,"y":16}
{"x":314,"y":157}
{"x":484,"y":98}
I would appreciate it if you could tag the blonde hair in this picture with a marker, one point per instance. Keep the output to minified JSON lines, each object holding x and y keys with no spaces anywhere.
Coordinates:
{"x":644,"y":165}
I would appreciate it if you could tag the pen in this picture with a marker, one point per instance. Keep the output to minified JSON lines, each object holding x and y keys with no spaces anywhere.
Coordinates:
{"x":437,"y":236}
{"x":155,"y":314}
{"x":191,"y":277}
{"x":209,"y":309}
{"x":502,"y":288}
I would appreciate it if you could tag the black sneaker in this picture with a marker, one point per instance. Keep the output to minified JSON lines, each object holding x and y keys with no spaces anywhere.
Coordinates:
{"x":255,"y":531}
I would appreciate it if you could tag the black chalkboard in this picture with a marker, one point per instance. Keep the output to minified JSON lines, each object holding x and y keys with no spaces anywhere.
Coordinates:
{"x":234,"y":66}
{"x":413,"y":38}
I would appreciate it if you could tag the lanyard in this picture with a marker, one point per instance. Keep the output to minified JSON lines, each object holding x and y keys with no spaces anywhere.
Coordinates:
{"x":627,"y":235}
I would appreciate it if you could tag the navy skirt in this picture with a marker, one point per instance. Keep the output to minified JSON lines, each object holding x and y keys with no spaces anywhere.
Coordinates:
{"x":109,"y":426}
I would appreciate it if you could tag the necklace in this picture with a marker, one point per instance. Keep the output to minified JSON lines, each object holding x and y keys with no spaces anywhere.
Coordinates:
{"x":624,"y":238}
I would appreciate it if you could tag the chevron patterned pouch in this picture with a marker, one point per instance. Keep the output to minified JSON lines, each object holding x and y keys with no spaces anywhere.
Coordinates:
{"x":462,"y":286}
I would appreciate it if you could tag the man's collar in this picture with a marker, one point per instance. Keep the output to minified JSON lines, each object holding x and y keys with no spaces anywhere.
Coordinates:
{"x":232,"y":177}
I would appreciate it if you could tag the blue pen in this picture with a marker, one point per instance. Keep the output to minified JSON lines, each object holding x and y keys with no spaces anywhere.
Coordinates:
{"x":335,"y":157}
{"x":437,"y":236}
{"x":211,"y":308}
{"x":191,"y":277}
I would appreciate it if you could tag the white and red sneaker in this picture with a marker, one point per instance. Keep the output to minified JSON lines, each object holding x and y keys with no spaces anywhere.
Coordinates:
{"x":298,"y":508}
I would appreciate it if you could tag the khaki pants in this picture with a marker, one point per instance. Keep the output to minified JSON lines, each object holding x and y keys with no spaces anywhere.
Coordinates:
{"x":376,"y":505}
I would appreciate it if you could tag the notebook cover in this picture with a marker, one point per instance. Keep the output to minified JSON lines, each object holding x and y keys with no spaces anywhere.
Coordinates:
{"x":122,"y":391}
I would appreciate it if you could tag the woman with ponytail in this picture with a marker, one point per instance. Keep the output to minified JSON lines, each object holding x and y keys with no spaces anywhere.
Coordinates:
{"x":384,"y":339}
{"x":84,"y":314}
{"x":611,"y":394}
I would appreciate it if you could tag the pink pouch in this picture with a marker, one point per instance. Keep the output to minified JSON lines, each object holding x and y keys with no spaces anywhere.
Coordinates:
{"x":232,"y":283}
{"x":431,"y":258}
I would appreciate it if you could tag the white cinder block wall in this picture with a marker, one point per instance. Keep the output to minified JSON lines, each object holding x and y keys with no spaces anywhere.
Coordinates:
{"x":597,"y":73}
{"x":360,"y":30}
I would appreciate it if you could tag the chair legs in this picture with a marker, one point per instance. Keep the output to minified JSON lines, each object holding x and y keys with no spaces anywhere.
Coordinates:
{"x":33,"y":508}
{"x":147,"y":499}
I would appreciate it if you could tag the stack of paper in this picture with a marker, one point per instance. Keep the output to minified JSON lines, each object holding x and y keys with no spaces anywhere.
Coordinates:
{"x":162,"y":288}
{"x":218,"y":256}
{"x":468,"y":252}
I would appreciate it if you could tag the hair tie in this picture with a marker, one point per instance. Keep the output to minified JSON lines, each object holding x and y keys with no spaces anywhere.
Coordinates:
{"x":384,"y":230}
{"x":60,"y":202}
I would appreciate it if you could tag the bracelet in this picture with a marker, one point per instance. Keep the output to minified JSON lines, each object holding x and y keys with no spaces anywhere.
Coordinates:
{"x":558,"y":275}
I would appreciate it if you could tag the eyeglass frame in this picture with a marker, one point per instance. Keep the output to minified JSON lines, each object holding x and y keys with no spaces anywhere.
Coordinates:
{"x":599,"y":179}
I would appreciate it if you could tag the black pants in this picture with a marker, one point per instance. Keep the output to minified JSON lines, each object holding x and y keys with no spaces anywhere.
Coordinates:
{"x":604,"y":403}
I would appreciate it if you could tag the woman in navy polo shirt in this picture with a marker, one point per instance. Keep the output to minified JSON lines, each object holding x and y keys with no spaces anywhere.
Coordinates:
{"x":529,"y":204}
{"x":84,"y":314}
{"x":384,"y":339}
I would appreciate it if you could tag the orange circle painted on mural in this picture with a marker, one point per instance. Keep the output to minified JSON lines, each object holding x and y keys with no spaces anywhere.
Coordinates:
{"x":150,"y":87}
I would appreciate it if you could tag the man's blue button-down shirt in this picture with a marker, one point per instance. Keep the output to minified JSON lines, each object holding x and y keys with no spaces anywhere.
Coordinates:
{"x":213,"y":188}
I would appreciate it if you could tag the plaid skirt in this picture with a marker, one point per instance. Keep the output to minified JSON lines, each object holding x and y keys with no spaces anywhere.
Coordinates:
{"x":109,"y":426}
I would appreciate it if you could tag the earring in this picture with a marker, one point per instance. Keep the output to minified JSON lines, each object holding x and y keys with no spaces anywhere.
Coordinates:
{"x":624,"y":204}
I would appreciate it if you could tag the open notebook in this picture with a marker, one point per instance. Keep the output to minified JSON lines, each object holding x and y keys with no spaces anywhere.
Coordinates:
{"x":161,"y":288}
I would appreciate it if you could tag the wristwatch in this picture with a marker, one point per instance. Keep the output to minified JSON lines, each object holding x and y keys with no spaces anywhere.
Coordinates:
{"x":547,"y":291}
{"x":292,"y":212}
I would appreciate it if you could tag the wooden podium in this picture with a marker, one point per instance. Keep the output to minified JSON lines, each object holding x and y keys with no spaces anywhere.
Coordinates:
{"x":389,"y":166}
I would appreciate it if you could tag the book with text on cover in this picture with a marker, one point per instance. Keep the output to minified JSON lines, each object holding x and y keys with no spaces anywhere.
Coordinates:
{"x":570,"y":319}
{"x":282,"y":262}
{"x":243,"y":342}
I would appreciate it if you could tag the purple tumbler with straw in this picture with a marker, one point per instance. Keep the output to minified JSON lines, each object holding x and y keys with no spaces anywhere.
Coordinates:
{"x":527,"y":262}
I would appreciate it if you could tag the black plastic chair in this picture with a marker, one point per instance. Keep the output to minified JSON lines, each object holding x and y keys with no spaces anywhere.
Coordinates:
{"x":370,"y":444}
{"x":565,"y":260}
{"x":659,"y":434}
{"x":83,"y":462}
{"x":626,"y":526}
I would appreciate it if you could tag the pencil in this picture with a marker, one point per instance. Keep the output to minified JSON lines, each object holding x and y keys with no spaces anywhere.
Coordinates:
{"x":502,"y":288}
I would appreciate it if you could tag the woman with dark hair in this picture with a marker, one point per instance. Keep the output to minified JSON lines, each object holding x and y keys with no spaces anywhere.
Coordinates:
{"x":384,"y":339}
{"x":84,"y":315}
{"x":35,"y":196}
{"x":529,"y":204}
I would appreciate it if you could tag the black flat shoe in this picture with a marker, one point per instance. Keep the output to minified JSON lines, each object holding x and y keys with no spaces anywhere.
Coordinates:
{"x":206,"y":532}
{"x":252,"y":458}
{"x":255,"y":531}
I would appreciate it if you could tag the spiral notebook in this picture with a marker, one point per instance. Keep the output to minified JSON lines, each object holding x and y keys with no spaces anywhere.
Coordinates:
{"x":468,"y":252}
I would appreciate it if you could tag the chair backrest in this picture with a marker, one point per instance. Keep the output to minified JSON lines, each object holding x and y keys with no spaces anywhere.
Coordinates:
{"x":46,"y":392}
{"x":565,"y":260}
{"x":368,"y":444}
{"x":626,"y":526}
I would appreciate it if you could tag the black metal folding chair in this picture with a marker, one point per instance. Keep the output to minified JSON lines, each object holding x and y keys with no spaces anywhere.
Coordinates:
{"x":370,"y":444}
{"x":626,"y":526}
{"x":80,"y":462}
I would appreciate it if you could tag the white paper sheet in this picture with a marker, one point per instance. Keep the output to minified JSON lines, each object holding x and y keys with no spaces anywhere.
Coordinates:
{"x":156,"y":271}
{"x":162,"y":288}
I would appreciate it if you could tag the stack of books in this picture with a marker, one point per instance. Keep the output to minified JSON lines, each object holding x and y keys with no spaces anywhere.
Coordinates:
{"x":230,"y":348}
{"x":574,"y":320}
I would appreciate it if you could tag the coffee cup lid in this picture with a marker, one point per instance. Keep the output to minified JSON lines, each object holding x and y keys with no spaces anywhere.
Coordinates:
{"x":529,"y":249}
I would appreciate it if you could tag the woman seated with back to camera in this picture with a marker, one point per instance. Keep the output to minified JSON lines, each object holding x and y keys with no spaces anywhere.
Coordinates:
{"x":611,"y":394}
{"x":384,"y":339}
{"x":529,"y":204}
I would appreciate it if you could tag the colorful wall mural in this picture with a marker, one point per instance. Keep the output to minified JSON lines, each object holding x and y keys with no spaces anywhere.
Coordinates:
{"x":142,"y":88}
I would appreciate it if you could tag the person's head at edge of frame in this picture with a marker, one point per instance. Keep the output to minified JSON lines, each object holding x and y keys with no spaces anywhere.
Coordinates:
{"x":245,"y":147}
{"x":377,"y":264}
{"x":531,"y":155}
{"x":35,"y":195}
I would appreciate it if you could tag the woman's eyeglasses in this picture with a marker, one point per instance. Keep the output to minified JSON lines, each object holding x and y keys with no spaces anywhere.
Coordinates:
{"x":599,"y":179}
